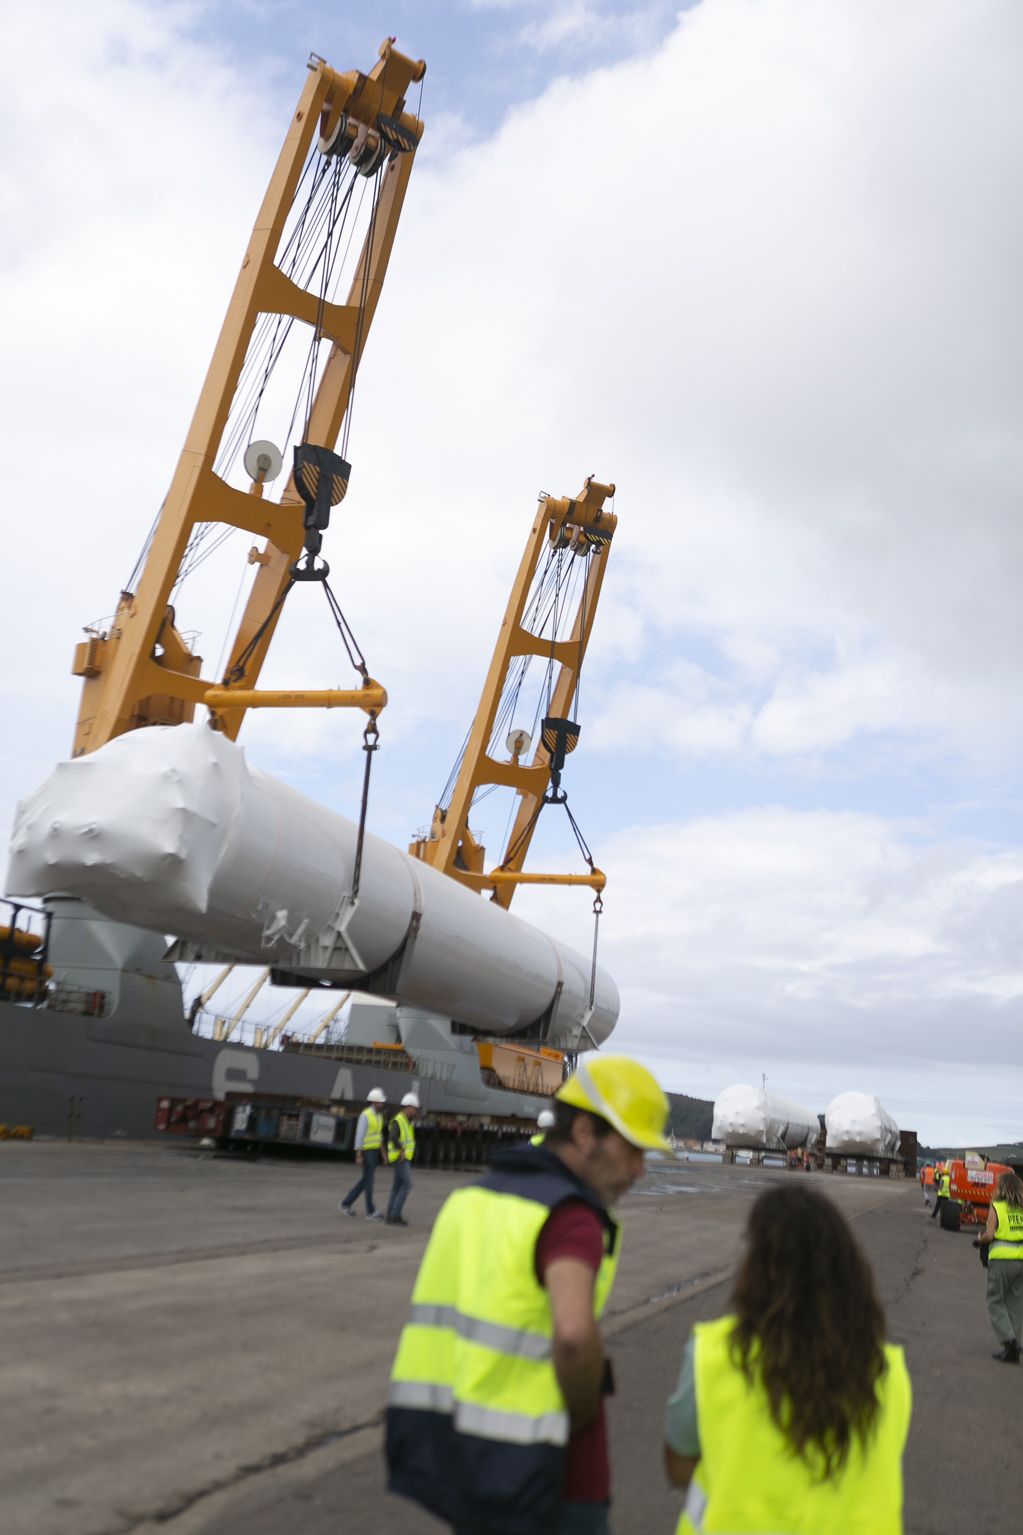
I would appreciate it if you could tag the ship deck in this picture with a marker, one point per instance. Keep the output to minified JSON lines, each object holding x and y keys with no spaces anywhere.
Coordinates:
{"x":198,"y":1345}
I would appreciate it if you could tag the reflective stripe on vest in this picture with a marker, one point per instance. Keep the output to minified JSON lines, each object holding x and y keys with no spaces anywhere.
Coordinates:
{"x":748,"y":1482}
{"x":538,"y":1139}
{"x":374,"y":1137}
{"x":1008,"y":1238}
{"x":406,"y":1140}
{"x":478,"y":1343}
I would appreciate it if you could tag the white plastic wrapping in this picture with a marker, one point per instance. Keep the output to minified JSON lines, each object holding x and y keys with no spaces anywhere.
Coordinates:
{"x":858,"y":1122}
{"x":745,"y":1116}
{"x":169,"y":828}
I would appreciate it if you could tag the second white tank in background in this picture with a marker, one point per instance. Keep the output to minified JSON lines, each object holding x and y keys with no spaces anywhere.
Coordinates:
{"x":858,"y":1122}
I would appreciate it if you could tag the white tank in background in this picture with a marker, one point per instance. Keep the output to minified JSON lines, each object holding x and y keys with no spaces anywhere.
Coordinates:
{"x":170,"y":829}
{"x":745,"y":1116}
{"x":857,"y":1122}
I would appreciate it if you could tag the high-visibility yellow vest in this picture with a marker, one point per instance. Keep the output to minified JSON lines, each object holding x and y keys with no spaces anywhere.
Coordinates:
{"x":749,"y":1481}
{"x":374,"y":1137}
{"x":944,"y":1184}
{"x":406,"y":1140}
{"x":1007,"y":1241}
{"x":476,"y":1422}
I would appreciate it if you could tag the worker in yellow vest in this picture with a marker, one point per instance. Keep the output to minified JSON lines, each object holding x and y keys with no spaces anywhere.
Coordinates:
{"x":1003,"y":1238}
{"x":791,"y":1413}
{"x":495,"y":1418}
{"x":544,"y":1122}
{"x":369,"y":1138}
{"x":401,"y":1149}
{"x":943,"y":1188}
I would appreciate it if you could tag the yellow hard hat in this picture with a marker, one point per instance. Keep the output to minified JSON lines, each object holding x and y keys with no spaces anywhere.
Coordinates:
{"x":625,"y":1094}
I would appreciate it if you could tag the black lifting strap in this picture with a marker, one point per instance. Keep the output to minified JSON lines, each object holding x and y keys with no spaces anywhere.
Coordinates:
{"x":598,"y":899}
{"x":370,"y":742}
{"x":598,"y":907}
{"x":371,"y":734}
{"x":557,"y":796}
{"x":236,"y":673}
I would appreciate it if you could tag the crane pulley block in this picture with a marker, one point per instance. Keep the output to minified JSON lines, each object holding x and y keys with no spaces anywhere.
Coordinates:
{"x":321,"y":479}
{"x":559,"y":736}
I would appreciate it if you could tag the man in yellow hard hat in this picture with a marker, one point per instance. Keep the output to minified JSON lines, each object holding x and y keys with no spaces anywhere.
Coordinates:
{"x":495,"y":1419}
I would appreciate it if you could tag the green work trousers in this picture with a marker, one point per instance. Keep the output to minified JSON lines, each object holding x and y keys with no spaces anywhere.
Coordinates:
{"x":1005,"y":1298}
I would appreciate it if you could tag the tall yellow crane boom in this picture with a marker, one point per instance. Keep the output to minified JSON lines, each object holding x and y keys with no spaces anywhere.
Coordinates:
{"x":584,"y":527}
{"x":142,"y":671}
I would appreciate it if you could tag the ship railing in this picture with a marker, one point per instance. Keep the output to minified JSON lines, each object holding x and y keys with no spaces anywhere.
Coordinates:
{"x":62,"y":998}
{"x":379,"y":1057}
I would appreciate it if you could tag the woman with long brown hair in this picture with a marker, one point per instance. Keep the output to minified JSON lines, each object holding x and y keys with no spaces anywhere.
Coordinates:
{"x":791,"y":1413}
{"x":1003,"y":1238}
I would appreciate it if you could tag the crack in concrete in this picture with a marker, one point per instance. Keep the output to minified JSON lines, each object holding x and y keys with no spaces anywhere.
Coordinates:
{"x":272,"y":1462}
{"x":197,"y":1255}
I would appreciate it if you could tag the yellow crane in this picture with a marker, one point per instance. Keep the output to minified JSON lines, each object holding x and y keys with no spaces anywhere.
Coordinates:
{"x":569,"y":531}
{"x":348,"y":128}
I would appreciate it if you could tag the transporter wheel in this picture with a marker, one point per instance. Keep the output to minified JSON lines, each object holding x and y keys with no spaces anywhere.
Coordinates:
{"x":951,"y":1216}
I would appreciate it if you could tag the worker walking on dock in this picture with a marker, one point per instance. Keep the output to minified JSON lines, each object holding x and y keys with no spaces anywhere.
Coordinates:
{"x":942,"y":1190}
{"x":369,"y":1138}
{"x":792,"y":1412}
{"x":401,"y":1148}
{"x":1003,"y":1238}
{"x":495,"y":1421}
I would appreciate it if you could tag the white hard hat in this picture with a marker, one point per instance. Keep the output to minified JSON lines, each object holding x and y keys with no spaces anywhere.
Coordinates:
{"x":410,"y":1101}
{"x":545,"y":1119}
{"x":376,"y":1095}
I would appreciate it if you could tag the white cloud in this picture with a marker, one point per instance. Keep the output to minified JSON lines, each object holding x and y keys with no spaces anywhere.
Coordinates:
{"x":829,"y":951}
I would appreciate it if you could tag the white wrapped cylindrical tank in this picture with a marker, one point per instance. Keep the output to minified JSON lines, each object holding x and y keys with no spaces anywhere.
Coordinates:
{"x":169,"y":828}
{"x":858,"y":1122}
{"x":745,"y":1116}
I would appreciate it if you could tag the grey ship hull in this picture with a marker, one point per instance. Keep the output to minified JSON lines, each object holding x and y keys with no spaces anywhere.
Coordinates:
{"x":91,"y":1076}
{"x":63,"y":1072}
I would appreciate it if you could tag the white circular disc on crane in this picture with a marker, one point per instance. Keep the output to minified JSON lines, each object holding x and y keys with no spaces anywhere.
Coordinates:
{"x":262,"y":461}
{"x":518,"y":742}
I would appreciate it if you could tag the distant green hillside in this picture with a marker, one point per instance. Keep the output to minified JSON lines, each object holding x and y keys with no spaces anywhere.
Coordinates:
{"x":691,"y":1118}
{"x":1011,"y":1152}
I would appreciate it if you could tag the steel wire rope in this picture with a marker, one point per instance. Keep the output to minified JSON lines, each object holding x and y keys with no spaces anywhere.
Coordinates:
{"x":509,"y":694}
{"x":230,"y":624}
{"x":311,"y":355}
{"x":587,"y":563}
{"x":535,"y":621}
{"x":261,"y":341}
{"x":271,"y":335}
{"x":147,"y":542}
{"x":302,"y":256}
{"x":328,"y":214}
{"x":360,"y":324}
{"x":515,"y":679}
{"x":513,"y":685}
{"x":319,"y":234}
{"x":324,"y":265}
{"x":542,"y":586}
{"x":129,"y":585}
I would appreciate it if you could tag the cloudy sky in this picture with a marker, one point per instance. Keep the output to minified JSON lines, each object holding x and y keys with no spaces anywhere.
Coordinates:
{"x":756,"y":261}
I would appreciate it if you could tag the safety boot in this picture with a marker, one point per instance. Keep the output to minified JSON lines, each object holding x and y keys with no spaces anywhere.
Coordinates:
{"x":1008,"y":1353}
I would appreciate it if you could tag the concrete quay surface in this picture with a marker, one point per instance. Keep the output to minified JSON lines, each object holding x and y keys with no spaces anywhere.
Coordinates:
{"x":199,"y":1345}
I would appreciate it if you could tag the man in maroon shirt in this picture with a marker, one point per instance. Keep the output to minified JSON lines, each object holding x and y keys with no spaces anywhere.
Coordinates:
{"x":569,"y":1255}
{"x":460,"y":1440}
